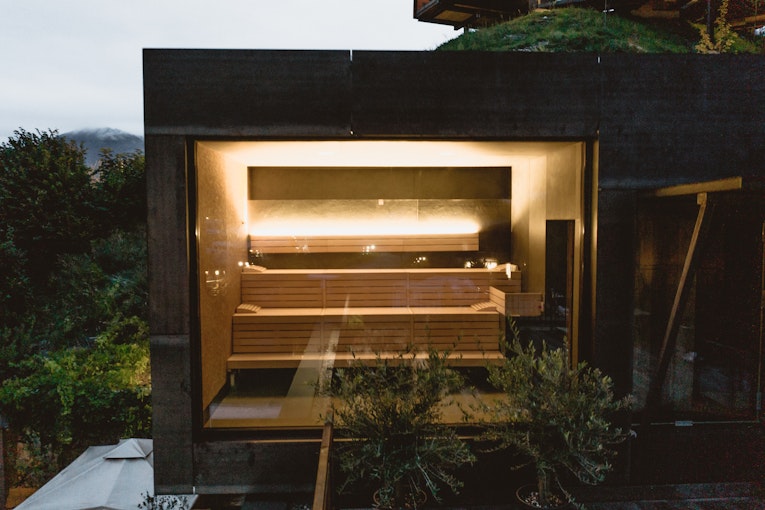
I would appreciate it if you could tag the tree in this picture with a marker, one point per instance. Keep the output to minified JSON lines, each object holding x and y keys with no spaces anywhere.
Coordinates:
{"x":45,"y":197}
{"x":120,"y":190}
{"x":72,"y":239}
{"x":557,"y":416}
{"x":92,"y":289}
{"x":73,"y":298}
{"x":14,"y":282}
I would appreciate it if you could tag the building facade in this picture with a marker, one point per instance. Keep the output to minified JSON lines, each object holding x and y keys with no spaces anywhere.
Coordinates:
{"x":308,"y":204}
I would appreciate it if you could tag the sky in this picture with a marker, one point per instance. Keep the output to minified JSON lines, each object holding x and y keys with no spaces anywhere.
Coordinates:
{"x":77,"y":64}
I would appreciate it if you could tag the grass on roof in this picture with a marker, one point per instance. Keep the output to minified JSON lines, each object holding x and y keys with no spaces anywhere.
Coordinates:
{"x":585,"y":30}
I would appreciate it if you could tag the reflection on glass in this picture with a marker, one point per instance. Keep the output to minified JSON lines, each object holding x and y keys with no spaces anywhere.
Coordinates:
{"x":713,"y":366}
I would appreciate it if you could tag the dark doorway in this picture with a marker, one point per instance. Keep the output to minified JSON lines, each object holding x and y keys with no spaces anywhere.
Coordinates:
{"x":559,"y":273}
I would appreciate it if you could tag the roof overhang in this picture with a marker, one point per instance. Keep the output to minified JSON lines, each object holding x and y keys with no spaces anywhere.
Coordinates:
{"x":468,"y":13}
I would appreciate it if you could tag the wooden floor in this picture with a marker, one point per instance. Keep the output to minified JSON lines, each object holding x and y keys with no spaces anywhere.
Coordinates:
{"x":291,"y":401}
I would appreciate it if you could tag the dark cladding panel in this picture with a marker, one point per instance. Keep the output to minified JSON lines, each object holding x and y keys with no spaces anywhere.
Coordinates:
{"x":256,"y":466}
{"x":475,"y":94}
{"x":167,"y":235}
{"x":614,"y":320}
{"x":246,"y":93}
{"x":172,"y":419}
{"x":673,"y":119}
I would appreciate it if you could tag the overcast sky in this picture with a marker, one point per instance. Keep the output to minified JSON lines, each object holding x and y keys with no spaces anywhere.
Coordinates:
{"x":76,"y":64}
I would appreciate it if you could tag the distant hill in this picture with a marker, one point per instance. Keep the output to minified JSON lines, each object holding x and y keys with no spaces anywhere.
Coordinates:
{"x":119,"y":142}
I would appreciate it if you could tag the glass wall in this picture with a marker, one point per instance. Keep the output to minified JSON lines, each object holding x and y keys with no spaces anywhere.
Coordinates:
{"x":714,"y":367}
{"x":314,"y":254}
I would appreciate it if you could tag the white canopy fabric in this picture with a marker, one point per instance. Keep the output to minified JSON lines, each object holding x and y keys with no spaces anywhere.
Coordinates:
{"x":112,"y":477}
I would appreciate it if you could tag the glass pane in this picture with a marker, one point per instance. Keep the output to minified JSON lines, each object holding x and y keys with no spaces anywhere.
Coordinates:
{"x":329,"y":279}
{"x":553,"y":324}
{"x":305,"y":269}
{"x":712,"y":372}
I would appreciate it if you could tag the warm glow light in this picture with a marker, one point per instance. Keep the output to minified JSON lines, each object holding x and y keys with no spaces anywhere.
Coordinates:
{"x":310,"y":227}
{"x":383,"y":152}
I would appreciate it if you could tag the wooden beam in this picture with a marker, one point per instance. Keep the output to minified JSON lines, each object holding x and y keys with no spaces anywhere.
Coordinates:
{"x":729,"y":184}
{"x":760,"y":18}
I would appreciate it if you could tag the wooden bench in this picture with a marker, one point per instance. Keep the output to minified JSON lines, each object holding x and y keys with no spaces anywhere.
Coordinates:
{"x":293,"y":317}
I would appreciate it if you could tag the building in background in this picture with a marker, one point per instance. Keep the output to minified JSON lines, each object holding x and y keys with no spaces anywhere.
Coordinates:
{"x":745,"y":16}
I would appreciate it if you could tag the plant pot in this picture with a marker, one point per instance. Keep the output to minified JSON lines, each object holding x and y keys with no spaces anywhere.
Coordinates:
{"x":527,"y":495}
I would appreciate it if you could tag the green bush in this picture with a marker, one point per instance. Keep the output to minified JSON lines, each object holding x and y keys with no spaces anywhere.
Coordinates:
{"x":391,"y":415}
{"x":556,"y":416}
{"x":69,"y":399}
{"x":91,"y":290}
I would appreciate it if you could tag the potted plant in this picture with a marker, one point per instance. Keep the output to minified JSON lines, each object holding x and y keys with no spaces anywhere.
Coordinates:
{"x":389,"y":419}
{"x":555,"y":416}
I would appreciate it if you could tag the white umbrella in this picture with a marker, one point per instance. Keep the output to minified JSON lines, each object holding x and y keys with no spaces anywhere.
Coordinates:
{"x":112,"y":477}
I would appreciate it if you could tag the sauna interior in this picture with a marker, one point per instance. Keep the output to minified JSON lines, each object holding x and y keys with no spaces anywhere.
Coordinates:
{"x":311,"y":254}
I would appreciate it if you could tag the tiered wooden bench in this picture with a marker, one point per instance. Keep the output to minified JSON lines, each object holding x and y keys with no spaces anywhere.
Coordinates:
{"x":291,"y":317}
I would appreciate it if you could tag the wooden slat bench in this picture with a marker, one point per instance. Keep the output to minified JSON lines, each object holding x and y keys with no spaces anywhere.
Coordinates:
{"x":517,"y":304}
{"x":292,"y":317}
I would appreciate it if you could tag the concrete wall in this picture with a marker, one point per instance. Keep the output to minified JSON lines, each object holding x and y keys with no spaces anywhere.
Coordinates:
{"x":169,"y":313}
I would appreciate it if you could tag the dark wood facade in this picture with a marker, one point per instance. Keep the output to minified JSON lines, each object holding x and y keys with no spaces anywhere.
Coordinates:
{"x":647,"y":122}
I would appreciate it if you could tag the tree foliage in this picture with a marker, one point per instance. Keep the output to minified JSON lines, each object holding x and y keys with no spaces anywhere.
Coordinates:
{"x":556,"y":416}
{"x":72,"y":239}
{"x":723,"y":36}
{"x":391,"y":414}
{"x":120,"y":190}
{"x":14,"y":282}
{"x":45,"y":196}
{"x":69,"y":399}
{"x":74,"y":360}
{"x":91,"y":290}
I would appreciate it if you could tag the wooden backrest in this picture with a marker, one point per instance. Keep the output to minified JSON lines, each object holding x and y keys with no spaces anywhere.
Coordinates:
{"x":292,"y":288}
{"x":283,"y":289}
{"x":366,"y":289}
{"x":448,"y":288}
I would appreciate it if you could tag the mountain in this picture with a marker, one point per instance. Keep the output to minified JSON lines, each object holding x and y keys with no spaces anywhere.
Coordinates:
{"x":119,"y":142}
